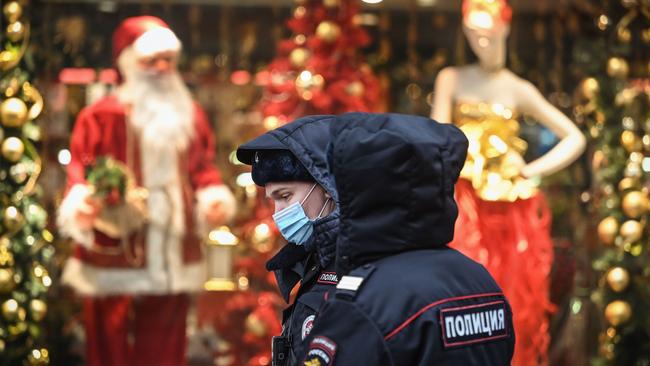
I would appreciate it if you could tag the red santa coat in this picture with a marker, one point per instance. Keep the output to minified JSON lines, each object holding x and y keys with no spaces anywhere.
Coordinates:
{"x":172,"y":256}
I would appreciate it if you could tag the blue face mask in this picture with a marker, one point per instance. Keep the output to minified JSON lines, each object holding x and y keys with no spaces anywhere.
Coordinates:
{"x":293,"y":222}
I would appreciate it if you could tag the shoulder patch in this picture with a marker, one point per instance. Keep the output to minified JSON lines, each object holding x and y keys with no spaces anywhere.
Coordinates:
{"x":307,"y":325}
{"x":321,"y":352}
{"x":472,"y":324}
{"x":351,"y":283}
{"x":328,"y":278}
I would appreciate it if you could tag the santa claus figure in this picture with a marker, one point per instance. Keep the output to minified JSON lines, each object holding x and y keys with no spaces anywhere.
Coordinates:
{"x":136,"y":279}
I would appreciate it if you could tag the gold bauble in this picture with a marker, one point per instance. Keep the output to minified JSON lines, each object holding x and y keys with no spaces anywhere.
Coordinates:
{"x":631,"y":230}
{"x":7,"y":59}
{"x":38,"y":357}
{"x":645,"y":35}
{"x":12,"y":218}
{"x":10,"y":310}
{"x":17,"y":329}
{"x":299,"y":56}
{"x":13,"y":149}
{"x":589,"y":88}
{"x":618,"y":278}
{"x":631,"y":142}
{"x":328,"y":31}
{"x":38,"y":309}
{"x":2,"y":346}
{"x":7,"y":283}
{"x":13,"y":112}
{"x":355,"y":89}
{"x":617,"y":68}
{"x":607,"y":230}
{"x":624,"y":35}
{"x":628,"y":183}
{"x":618,"y":312}
{"x":306,"y":83}
{"x":255,"y":325}
{"x":629,"y":3}
{"x":12,"y":11}
{"x":635,"y":204}
{"x":6,"y":257}
{"x":15,"y":31}
{"x":331,"y":3}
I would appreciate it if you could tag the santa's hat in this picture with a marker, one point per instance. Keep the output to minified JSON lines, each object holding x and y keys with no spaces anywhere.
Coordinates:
{"x":147,"y":35}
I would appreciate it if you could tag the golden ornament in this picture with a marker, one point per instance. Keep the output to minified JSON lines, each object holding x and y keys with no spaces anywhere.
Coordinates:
{"x":17,"y":329}
{"x":618,"y":312}
{"x":6,"y":258}
{"x":2,"y":346}
{"x":645,"y":35}
{"x":255,"y":325}
{"x":10,"y":310}
{"x":13,"y":149}
{"x":635,"y":204}
{"x":306,"y":83}
{"x":261,"y":238}
{"x":38,"y":309}
{"x":355,"y":88}
{"x":631,"y":142}
{"x":7,"y":283}
{"x":589,"y":88}
{"x":13,"y":112}
{"x":39,"y":357}
{"x":331,"y":3}
{"x":629,"y":3}
{"x":328,"y":31}
{"x":299,"y":12}
{"x":12,"y":218}
{"x":628,"y":183}
{"x":607,"y":230}
{"x":618,"y":278}
{"x":624,"y":35}
{"x":631,"y":230}
{"x":617,"y":68}
{"x":271,"y":122}
{"x":7,"y":59}
{"x":12,"y":11}
{"x":299,"y":56}
{"x":15,"y":31}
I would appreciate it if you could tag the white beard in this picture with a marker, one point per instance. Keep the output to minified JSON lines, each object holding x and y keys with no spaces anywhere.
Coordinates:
{"x":162,"y":112}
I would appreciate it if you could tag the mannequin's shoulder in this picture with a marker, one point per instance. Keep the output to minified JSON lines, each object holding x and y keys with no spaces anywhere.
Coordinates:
{"x":454,"y":71}
{"x":521,"y":84}
{"x":448,"y":76}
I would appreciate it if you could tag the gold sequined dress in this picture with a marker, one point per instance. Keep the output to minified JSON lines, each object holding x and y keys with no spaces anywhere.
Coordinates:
{"x":504,"y":222}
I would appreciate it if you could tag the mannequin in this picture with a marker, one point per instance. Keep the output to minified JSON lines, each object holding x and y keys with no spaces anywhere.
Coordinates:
{"x":504,"y":222}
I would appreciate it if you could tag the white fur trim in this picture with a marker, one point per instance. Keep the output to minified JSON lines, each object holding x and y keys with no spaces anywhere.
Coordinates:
{"x":164,"y":273}
{"x":66,"y":219}
{"x":155,"y":40}
{"x":205,"y":197}
{"x":89,"y":280}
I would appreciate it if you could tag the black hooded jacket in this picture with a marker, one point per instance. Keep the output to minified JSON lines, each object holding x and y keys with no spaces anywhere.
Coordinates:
{"x":312,"y":264}
{"x":405,"y":297}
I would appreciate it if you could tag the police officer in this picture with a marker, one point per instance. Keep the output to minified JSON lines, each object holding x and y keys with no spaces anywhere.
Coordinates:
{"x":404,"y":297}
{"x":290,"y":163}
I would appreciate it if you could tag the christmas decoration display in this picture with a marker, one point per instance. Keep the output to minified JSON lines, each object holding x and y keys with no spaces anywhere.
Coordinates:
{"x":25,"y":244}
{"x":613,"y":105}
{"x":319,"y":70}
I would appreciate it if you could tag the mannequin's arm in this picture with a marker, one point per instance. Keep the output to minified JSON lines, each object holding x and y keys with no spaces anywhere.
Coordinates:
{"x":572,"y":141}
{"x":443,"y":95}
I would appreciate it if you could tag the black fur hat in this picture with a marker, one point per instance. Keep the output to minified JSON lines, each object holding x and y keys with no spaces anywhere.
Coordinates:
{"x":278,"y":166}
